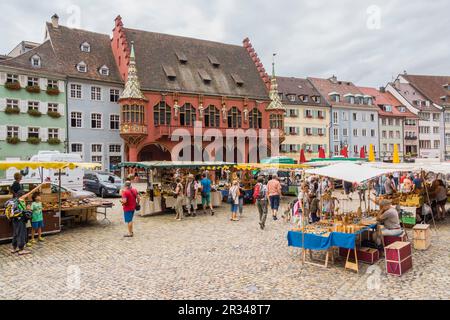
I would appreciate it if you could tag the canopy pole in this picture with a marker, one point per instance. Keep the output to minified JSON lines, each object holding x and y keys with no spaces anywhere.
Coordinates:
{"x":59,"y":197}
{"x":428,"y":198}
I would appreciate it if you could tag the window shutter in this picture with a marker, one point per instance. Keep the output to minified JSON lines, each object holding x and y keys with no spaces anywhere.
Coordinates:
{"x":304,"y":131}
{"x":23,"y":133}
{"x":43,"y":107}
{"x":43,"y":134}
{"x":62,"y":108}
{"x":61,"y":86}
{"x":23,"y":81}
{"x":2,"y":77}
{"x":62,"y":134}
{"x":304,"y":113}
{"x":316,"y":113}
{"x":43,"y":84}
{"x":315,"y":132}
{"x":2,"y":133}
{"x":23,"y":105}
{"x":2,"y":104}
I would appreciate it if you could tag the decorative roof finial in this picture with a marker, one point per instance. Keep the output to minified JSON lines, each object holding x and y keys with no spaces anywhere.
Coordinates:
{"x":276,"y":103}
{"x":132,"y":86}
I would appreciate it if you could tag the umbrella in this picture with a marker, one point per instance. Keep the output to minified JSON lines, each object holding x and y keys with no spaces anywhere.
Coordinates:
{"x":362,"y":153}
{"x":344,"y":152}
{"x":371,"y":154}
{"x":322,"y":153}
{"x":302,"y":156}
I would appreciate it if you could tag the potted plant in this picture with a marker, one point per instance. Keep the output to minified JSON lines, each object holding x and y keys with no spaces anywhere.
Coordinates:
{"x":12,"y":110}
{"x":54,"y":114}
{"x":34,"y":140}
{"x":33,"y":89}
{"x":53,"y":141}
{"x":13,"y":85}
{"x":34,"y":113}
{"x":13,"y":140}
{"x":52,"y":91}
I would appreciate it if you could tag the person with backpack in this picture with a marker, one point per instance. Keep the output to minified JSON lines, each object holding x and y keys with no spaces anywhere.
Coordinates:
{"x":260,"y":198}
{"x":233,"y":199}
{"x":130,"y":203}
{"x":17,"y":213}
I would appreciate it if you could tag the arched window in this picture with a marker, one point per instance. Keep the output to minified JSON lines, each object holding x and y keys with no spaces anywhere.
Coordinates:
{"x":187,"y":115}
{"x":133,"y":114}
{"x":276,"y":121}
{"x":234,"y":118}
{"x":161,"y":114}
{"x":212,"y":117}
{"x":255,"y":119}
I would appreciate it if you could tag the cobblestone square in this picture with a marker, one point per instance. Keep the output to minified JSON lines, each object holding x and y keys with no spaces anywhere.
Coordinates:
{"x":206,"y":257}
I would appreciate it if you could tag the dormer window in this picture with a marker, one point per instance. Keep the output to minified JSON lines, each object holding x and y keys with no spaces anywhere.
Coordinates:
{"x":280,"y":95}
{"x":181,"y":57}
{"x":316,"y":99}
{"x":104,"y":71}
{"x":402,"y":109}
{"x":368,"y":100}
{"x":214,"y":61}
{"x":359,"y":99}
{"x":303,"y":98}
{"x":82,"y":67}
{"x":205,"y":76}
{"x":388,"y":108}
{"x":291,"y":97}
{"x":349,"y":98}
{"x":36,"y":61}
{"x":237,"y":79}
{"x":335,"y":97}
{"x":85,"y":47}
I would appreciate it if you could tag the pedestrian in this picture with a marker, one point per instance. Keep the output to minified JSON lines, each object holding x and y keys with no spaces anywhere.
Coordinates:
{"x":37,"y":218}
{"x":389,"y":185}
{"x":396,"y":179}
{"x":179,"y":199}
{"x":241,"y":199}
{"x":314,"y":208}
{"x":438,"y":195}
{"x":16,"y":187}
{"x":130,"y":203}
{"x":417,"y":182}
{"x":260,"y":198}
{"x":206,"y":193}
{"x":274,"y":194}
{"x":16,"y":212}
{"x":233,"y":197}
{"x":191,"y":195}
{"x":304,"y":201}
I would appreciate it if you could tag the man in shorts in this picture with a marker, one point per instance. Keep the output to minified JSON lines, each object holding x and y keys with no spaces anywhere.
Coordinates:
{"x":130,"y":199}
{"x":274,"y":194}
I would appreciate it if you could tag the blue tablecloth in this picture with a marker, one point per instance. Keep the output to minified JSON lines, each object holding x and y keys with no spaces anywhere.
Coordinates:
{"x":317,"y":242}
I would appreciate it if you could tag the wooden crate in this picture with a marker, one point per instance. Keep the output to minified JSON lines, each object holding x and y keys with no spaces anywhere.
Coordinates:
{"x":388,"y":240}
{"x":422,"y":236}
{"x":398,"y":258}
{"x":365,"y":255}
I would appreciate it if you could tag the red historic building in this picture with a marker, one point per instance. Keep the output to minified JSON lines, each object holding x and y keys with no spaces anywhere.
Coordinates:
{"x":173,"y":82}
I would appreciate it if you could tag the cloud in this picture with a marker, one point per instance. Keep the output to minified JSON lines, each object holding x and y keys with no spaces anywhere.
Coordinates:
{"x":367,"y":42}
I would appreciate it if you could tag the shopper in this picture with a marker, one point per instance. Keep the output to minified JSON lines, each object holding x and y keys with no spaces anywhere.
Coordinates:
{"x":241,"y":199}
{"x":179,"y":199}
{"x":191,"y":195}
{"x":304,"y":201}
{"x":274,"y":194}
{"x":130,"y":203}
{"x":418,"y":182}
{"x":389,"y":185}
{"x":260,"y":198}
{"x":16,"y":187}
{"x":438,"y":195}
{"x":233,"y":197}
{"x":16,"y":212}
{"x":206,"y":193}
{"x":37,"y":218}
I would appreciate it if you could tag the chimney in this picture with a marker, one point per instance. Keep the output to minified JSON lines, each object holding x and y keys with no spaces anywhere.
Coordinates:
{"x":55,"y":21}
{"x":382,"y":89}
{"x":333,"y":79}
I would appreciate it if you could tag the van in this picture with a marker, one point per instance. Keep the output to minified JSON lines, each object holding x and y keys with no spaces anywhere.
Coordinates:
{"x":72,"y":179}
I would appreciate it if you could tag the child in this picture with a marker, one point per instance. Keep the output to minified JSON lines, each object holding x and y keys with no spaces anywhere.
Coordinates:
{"x":37,"y":219}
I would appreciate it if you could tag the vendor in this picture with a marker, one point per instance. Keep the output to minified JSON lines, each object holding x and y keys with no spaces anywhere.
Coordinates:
{"x":389,"y":217}
{"x":438,"y":195}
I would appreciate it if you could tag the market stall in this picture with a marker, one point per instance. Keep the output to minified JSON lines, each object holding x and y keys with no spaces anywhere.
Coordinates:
{"x":161,"y":176}
{"x":58,"y":202}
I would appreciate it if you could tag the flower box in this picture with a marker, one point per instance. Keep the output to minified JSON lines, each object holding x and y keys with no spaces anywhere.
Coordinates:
{"x":11,"y":110}
{"x":52,"y":91}
{"x":34,"y":113}
{"x":54,"y":114}
{"x":13,"y":85}
{"x":33,"y":89}
{"x":34,"y":140}
{"x":53,"y":141}
{"x":12,"y":140}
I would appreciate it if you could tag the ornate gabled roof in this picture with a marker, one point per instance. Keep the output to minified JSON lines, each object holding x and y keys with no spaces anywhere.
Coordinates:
{"x":132,"y":85}
{"x":275,"y":103}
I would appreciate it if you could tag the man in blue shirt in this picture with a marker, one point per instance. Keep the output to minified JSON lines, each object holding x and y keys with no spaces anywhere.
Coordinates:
{"x":206,"y":193}
{"x":417,"y":182}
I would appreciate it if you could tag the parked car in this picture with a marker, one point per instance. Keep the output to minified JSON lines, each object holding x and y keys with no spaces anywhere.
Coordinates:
{"x":104,"y":184}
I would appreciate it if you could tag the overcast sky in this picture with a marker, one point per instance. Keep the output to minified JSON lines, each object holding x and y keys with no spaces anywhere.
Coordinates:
{"x":367,"y":42}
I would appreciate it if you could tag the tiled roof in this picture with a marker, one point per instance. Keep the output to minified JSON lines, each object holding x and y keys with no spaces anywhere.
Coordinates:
{"x":226,"y":65}
{"x":343,"y":88}
{"x":67,"y":43}
{"x":298,"y":87}
{"x":386,"y":98}
{"x":49,"y":62}
{"x":431,"y":86}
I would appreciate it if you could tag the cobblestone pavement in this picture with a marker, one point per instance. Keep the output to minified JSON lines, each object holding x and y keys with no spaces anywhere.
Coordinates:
{"x":207,"y":257}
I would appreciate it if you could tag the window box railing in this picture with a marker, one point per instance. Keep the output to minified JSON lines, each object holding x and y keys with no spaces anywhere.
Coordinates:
{"x":12,"y":110}
{"x":52,"y":91}
{"x":13,"y":85}
{"x":34,"y":113}
{"x":33,"y":89}
{"x":410,"y":138}
{"x":13,"y":140}
{"x":34,"y":140}
{"x":309,"y":116}
{"x":53,"y":141}
{"x":54,"y":114}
